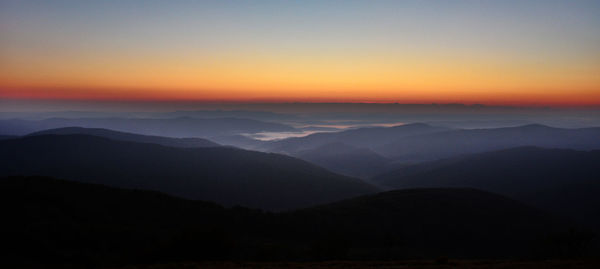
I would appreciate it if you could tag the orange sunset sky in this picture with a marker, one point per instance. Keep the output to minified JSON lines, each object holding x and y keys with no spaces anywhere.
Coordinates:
{"x":489,"y":52}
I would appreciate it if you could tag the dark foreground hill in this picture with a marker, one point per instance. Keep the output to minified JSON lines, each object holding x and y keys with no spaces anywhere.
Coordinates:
{"x":53,"y":221}
{"x":225,"y":175}
{"x":439,"y":263}
{"x":122,"y":136}
{"x":566,"y":182}
{"x":439,"y":222}
{"x":3,"y":137}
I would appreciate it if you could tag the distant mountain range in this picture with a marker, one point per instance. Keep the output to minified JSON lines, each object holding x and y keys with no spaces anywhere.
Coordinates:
{"x":348,"y":152}
{"x":565,"y":182}
{"x":386,"y":147}
{"x":122,"y":136}
{"x":522,"y":192}
{"x":171,"y":127}
{"x":363,"y":152}
{"x":49,"y":221}
{"x":370,"y":137}
{"x":455,"y":142}
{"x":225,"y":175}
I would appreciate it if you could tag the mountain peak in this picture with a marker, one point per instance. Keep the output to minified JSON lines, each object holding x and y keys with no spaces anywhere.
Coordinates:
{"x":413,"y":125}
{"x":535,"y":126}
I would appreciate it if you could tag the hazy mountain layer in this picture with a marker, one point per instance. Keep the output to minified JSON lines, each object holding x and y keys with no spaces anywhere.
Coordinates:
{"x":452,"y":143}
{"x":225,"y":175}
{"x":363,"y":137}
{"x":347,"y":160}
{"x":122,"y":136}
{"x":173,"y":127}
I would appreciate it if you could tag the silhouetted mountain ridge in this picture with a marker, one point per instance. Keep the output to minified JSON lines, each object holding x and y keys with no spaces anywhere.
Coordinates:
{"x":225,"y":175}
{"x":362,"y":137}
{"x":529,"y":174}
{"x":346,"y":159}
{"x":171,"y":127}
{"x":122,"y":136}
{"x":456,"y":142}
{"x":359,"y":160}
{"x":419,"y":142}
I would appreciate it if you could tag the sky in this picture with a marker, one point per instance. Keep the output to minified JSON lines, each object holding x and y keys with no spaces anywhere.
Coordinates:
{"x":485,"y":52}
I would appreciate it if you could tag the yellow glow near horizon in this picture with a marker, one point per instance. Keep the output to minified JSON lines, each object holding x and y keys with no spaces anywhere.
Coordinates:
{"x":369,"y":53}
{"x":302,"y":76}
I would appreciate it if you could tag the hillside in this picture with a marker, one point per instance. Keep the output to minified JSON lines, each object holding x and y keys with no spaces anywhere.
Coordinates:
{"x":172,"y":127}
{"x":417,"y":142}
{"x":363,"y":137}
{"x":456,"y":142}
{"x":454,"y":222}
{"x":122,"y":136}
{"x":558,"y":180}
{"x":225,"y":175}
{"x":54,"y":221}
{"x":345,"y":159}
{"x":348,"y":152}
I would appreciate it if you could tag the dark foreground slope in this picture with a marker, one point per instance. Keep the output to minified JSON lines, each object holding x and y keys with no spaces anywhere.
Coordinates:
{"x":55,"y":221}
{"x":122,"y":136}
{"x":566,"y":182}
{"x":3,"y":137}
{"x":225,"y":175}
{"x":438,"y":222}
{"x":439,"y":263}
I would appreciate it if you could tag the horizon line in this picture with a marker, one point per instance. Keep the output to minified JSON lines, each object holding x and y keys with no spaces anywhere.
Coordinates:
{"x":303,"y":102}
